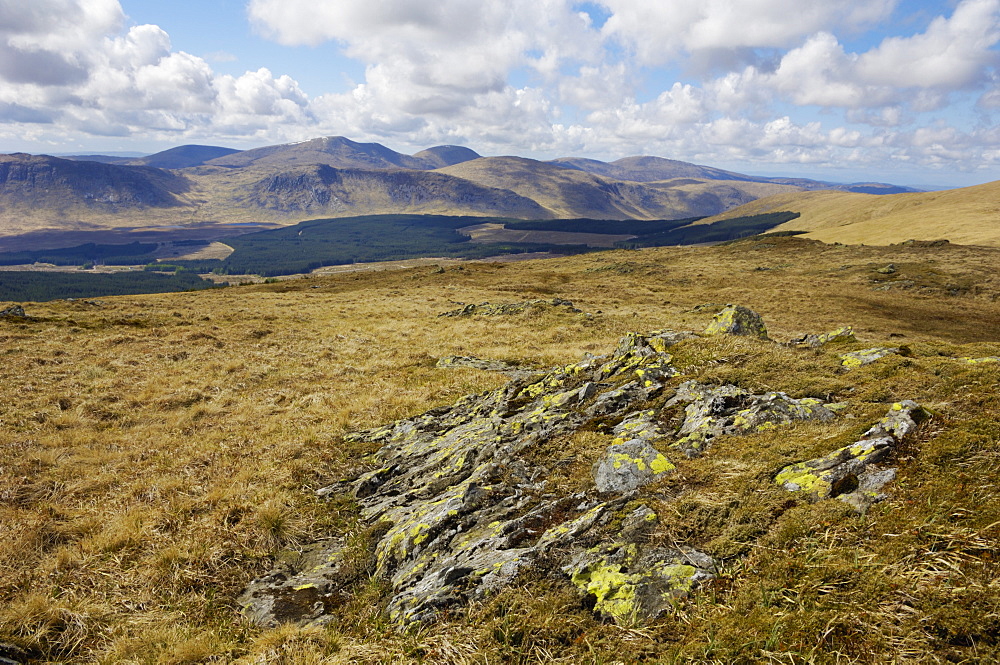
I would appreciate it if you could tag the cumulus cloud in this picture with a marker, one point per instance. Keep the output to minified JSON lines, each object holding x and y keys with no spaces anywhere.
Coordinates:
{"x":40,"y":41}
{"x":658,"y":31}
{"x":435,"y":58}
{"x":953,"y":53}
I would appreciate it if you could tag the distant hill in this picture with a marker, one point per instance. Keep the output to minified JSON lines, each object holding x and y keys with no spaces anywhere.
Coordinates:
{"x":650,"y":169}
{"x":321,"y":190}
{"x":569,"y":192}
{"x":103,"y":159}
{"x":970,"y":215}
{"x":183,"y":157}
{"x":40,"y":182}
{"x":331,"y":150}
{"x":446,"y":155}
{"x":333,"y":176}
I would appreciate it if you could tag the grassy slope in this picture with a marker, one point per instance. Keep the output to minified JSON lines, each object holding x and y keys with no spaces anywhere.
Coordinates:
{"x":967,"y":216}
{"x":159,"y":450}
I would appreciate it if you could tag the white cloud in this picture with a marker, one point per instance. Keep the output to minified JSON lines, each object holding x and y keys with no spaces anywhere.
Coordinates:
{"x":952,"y":54}
{"x":766,"y":81}
{"x":658,"y":31}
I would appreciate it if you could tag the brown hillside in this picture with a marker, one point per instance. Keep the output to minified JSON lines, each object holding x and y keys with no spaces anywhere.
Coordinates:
{"x":572,"y":193}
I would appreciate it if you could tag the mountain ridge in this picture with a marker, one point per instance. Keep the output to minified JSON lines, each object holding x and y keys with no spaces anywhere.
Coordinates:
{"x":197,"y":184}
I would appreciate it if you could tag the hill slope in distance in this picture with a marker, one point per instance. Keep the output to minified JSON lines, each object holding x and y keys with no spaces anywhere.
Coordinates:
{"x":210,"y":185}
{"x":970,"y":215}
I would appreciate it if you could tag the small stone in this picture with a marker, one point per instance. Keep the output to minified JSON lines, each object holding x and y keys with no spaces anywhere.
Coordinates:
{"x":737,"y":320}
{"x":840,"y":335}
{"x":887,"y":270}
{"x":857,"y":359}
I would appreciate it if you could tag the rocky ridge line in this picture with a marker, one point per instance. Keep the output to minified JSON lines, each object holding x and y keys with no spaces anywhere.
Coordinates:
{"x":460,"y":507}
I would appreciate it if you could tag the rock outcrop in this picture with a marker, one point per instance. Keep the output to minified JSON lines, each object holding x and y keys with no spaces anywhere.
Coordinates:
{"x":14,"y":311}
{"x":506,"y":309}
{"x":711,"y":411}
{"x":460,"y":503}
{"x":851,"y":473}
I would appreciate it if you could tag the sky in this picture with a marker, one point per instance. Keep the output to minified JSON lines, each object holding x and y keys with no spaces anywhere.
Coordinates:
{"x":848,"y":90}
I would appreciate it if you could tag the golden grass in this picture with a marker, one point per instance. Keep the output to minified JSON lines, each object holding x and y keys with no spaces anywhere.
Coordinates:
{"x":967,"y":216}
{"x":158,"y":452}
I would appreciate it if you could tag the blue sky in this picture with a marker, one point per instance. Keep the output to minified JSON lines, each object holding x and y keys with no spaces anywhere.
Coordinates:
{"x":848,"y":90}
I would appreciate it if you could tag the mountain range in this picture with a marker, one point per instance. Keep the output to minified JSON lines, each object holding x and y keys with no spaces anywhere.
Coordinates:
{"x":336,"y":177}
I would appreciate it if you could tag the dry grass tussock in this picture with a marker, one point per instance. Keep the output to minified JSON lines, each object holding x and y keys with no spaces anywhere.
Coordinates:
{"x":158,"y":452}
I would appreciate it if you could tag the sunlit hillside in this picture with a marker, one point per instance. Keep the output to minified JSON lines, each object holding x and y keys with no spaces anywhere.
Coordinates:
{"x":970,"y":215}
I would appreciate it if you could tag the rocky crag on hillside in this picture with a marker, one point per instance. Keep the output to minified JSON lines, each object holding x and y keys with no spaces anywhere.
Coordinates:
{"x":461,"y":504}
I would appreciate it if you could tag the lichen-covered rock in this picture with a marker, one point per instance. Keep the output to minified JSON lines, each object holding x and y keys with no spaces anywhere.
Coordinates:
{"x":465,"y":511}
{"x":851,"y":473}
{"x":737,"y":320}
{"x":302,"y":592}
{"x":857,"y":359}
{"x":630,"y":585}
{"x":839,"y":335}
{"x":715,"y":410}
{"x":506,"y":309}
{"x":452,"y":362}
{"x":460,"y":500}
{"x":14,"y":311}
{"x":980,"y":361}
{"x":630,"y":465}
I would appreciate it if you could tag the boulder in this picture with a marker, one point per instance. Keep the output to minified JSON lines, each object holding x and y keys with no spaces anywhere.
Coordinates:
{"x":737,"y":320}
{"x":628,"y":466}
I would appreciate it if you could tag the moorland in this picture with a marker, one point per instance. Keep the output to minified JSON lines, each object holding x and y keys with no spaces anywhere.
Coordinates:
{"x":160,"y":452}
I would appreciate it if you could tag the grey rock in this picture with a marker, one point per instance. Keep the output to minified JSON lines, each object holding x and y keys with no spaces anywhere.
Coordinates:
{"x":628,"y":466}
{"x":866,"y":356}
{"x":712,"y":411}
{"x":839,"y":335}
{"x":737,"y":320}
{"x":851,"y":473}
{"x":14,"y":311}
{"x":503,"y":367}
{"x":302,"y":592}
{"x":630,"y":584}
